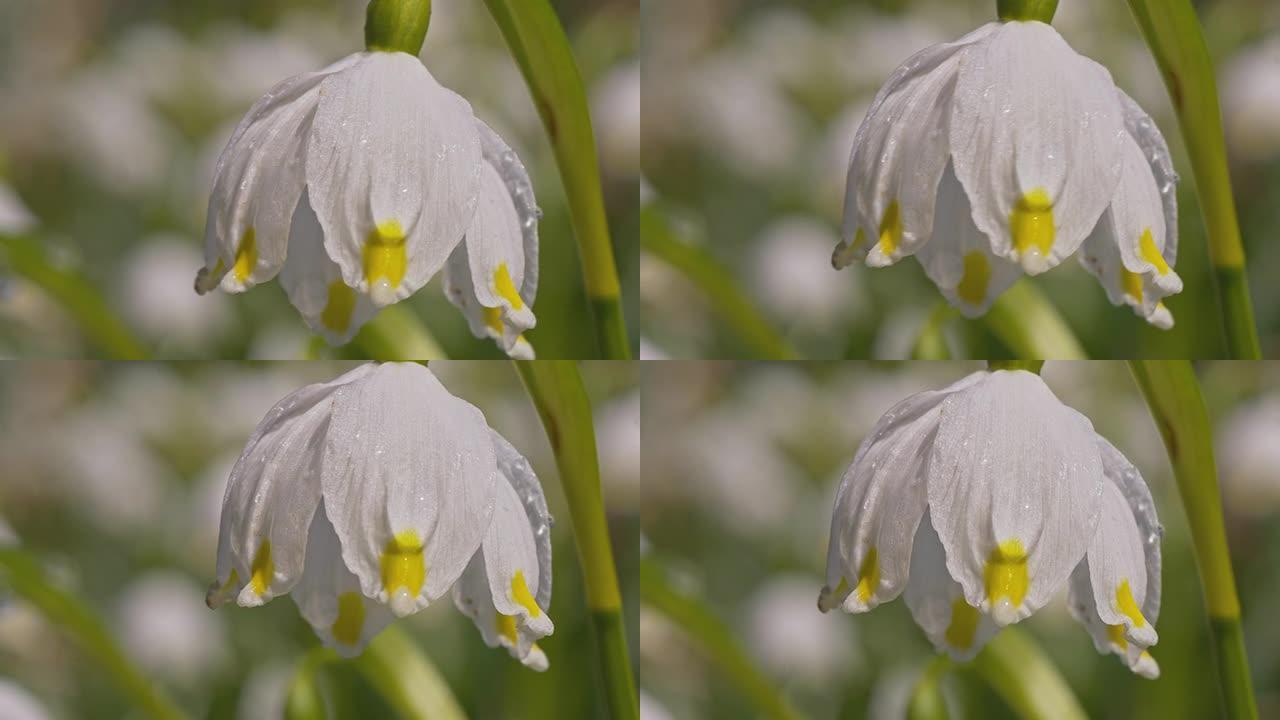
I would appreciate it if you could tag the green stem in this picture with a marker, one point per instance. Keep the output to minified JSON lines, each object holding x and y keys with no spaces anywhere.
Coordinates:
{"x":1041,"y":10}
{"x":1030,"y":326}
{"x":562,"y":403}
{"x":406,"y":678}
{"x":1028,"y":365}
{"x":542,"y":50}
{"x":395,"y":333}
{"x":716,"y":640}
{"x":305,"y":701}
{"x":25,"y":256}
{"x":932,"y":343}
{"x":69,"y":613}
{"x":738,"y":311}
{"x":1176,"y":404}
{"x":1015,"y":667}
{"x":397,"y":25}
{"x":1173,"y":33}
{"x":927,"y":701}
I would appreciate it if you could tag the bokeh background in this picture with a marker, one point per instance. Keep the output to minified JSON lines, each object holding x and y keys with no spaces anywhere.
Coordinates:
{"x":114,"y":475}
{"x":113,"y":112}
{"x":749,"y":113}
{"x":741,"y":466}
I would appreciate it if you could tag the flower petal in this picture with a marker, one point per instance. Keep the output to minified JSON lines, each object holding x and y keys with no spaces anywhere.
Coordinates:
{"x":519,"y":474}
{"x":1117,"y":569}
{"x":1106,"y":638}
{"x":257,"y":181}
{"x":1156,"y":151}
{"x":1035,"y":137}
{"x":314,"y":282}
{"x":958,"y":259}
{"x":461,"y":292}
{"x":898,"y":156}
{"x":515,"y":177}
{"x":1015,"y":482}
{"x":393,"y":168}
{"x":937,"y":602}
{"x":329,"y":597}
{"x":879,"y":504}
{"x":473,"y":598}
{"x":408,"y":481}
{"x":272,"y":494}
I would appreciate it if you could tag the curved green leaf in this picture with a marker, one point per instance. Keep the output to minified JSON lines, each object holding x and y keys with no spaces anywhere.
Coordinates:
{"x":406,"y":678}
{"x":1030,"y":326}
{"x":542,"y":50}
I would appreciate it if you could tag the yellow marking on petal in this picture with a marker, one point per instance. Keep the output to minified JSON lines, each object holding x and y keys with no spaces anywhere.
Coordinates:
{"x":339,"y":308}
{"x":1132,"y":283}
{"x":1126,"y":605}
{"x":859,"y":239}
{"x":1115,"y":633}
{"x":521,"y":595}
{"x":219,"y":268}
{"x":493,"y":319}
{"x":1031,"y":222}
{"x":890,"y":229}
{"x":843,"y":587}
{"x":1006,"y":573}
{"x":505,"y":288}
{"x":868,"y":576}
{"x":977,"y":276}
{"x":263,"y":569}
{"x":964,"y":625}
{"x":384,"y":254}
{"x":507,"y":627}
{"x":231,"y":582}
{"x":246,"y":256}
{"x":403,"y":565}
{"x":350,"y":622}
{"x":1149,"y":252}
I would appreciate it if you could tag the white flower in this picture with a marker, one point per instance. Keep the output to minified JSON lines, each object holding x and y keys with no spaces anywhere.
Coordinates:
{"x":357,"y":184}
{"x":15,"y":218}
{"x":981,"y":501}
{"x":373,"y":495}
{"x":1005,"y":152}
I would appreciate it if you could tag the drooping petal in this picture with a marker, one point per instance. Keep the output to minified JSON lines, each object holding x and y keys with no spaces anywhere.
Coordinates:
{"x":898,"y":156}
{"x":1014,"y":489}
{"x":393,"y":169}
{"x":495,"y":255}
{"x":408,"y":481}
{"x":515,"y":177}
{"x":329,"y":597}
{"x":515,"y":469}
{"x":1126,"y":251}
{"x":879,"y":504}
{"x":510,"y":609}
{"x":462,"y":293}
{"x":257,"y":181}
{"x":1106,"y":638}
{"x":1147,"y":134}
{"x":272,"y":494}
{"x":958,"y":259}
{"x":1126,"y":477}
{"x":1035,"y":137}
{"x":937,"y":602}
{"x":314,"y":283}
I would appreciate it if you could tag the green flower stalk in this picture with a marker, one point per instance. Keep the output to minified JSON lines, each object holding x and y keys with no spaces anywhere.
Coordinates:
{"x":1178,"y":408}
{"x":1041,"y":10}
{"x":397,"y":25}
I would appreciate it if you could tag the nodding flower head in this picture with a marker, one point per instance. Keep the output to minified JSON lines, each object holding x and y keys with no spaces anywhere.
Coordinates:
{"x":981,"y":501}
{"x":370,"y":497}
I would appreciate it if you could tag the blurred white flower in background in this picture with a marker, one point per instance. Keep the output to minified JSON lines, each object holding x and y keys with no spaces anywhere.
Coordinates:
{"x":357,"y":184}
{"x":1251,"y":101}
{"x":18,"y":704}
{"x":651,"y":708}
{"x":785,"y":254}
{"x":158,"y":298}
{"x":617,"y":427}
{"x":349,"y":491}
{"x":791,"y":639}
{"x":742,"y":477}
{"x":115,"y":133}
{"x":1250,"y":455}
{"x":165,"y":625}
{"x":233,"y":59}
{"x":266,"y":691}
{"x":108,"y":474}
{"x":981,"y":500}
{"x":615,"y":112}
{"x":15,"y":218}
{"x":952,"y":164}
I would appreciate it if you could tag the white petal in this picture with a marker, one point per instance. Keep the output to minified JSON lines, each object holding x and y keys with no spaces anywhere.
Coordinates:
{"x":958,"y":258}
{"x":1106,"y":639}
{"x":1156,"y":151}
{"x":502,"y":158}
{"x":472,"y":597}
{"x":257,"y":182}
{"x":496,"y":258}
{"x":1014,"y":487}
{"x":329,"y":597}
{"x":511,"y":562}
{"x":314,"y":282}
{"x":898,"y":156}
{"x":879,"y":504}
{"x":937,"y":602}
{"x":515,"y":469}
{"x":408,"y":482}
{"x":271,"y":496}
{"x":1126,"y":477}
{"x":393,"y":167}
{"x":1117,"y":569}
{"x":1035,"y":137}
